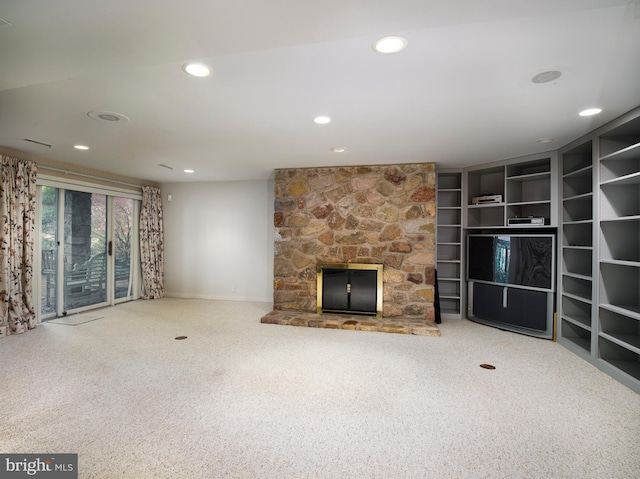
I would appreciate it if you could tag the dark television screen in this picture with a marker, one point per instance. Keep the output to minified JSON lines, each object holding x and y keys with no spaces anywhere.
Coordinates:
{"x":480,"y":258}
{"x":524,"y":260}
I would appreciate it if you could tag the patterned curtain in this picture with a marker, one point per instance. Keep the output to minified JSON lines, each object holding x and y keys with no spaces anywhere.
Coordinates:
{"x":152,"y":243}
{"x":17,"y":213}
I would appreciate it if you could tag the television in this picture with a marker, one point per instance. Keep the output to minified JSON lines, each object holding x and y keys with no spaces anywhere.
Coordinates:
{"x":519,"y":259}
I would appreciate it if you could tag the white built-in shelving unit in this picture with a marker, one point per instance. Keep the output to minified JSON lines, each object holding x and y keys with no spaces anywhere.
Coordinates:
{"x":599,"y":305}
{"x":526,"y":187}
{"x":577,"y":286}
{"x":449,"y":246}
{"x":618,"y":342}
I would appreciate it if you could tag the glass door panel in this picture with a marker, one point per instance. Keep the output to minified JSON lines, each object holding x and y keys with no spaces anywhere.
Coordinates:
{"x":49,"y":251}
{"x":123,"y":214}
{"x":85,"y":250}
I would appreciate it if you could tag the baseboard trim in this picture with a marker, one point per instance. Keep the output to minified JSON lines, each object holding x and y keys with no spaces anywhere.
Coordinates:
{"x":234,"y":297}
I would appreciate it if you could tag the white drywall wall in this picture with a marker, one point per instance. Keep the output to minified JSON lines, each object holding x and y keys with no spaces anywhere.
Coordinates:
{"x":219,"y":240}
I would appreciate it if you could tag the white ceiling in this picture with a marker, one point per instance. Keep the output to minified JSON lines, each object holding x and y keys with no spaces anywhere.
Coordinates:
{"x":459,"y":94}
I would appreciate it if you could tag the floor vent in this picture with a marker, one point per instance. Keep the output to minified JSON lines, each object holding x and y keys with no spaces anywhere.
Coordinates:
{"x":487,"y":366}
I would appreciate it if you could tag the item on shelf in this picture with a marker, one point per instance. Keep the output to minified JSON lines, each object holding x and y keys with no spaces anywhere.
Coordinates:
{"x":526,"y":220}
{"x":486,"y":198}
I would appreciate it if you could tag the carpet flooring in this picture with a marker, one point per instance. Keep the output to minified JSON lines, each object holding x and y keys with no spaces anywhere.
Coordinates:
{"x":241,"y":399}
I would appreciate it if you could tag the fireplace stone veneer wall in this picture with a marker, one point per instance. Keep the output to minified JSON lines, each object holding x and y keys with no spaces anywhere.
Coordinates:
{"x":377,"y":215}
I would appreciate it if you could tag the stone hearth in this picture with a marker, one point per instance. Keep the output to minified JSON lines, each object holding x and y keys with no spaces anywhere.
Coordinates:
{"x":354,"y":323}
{"x":372,"y":215}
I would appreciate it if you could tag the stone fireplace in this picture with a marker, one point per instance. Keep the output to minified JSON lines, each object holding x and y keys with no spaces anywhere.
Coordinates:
{"x":368,"y":215}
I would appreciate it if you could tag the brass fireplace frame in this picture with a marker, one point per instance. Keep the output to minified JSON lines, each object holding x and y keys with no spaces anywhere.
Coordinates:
{"x":358,"y":266}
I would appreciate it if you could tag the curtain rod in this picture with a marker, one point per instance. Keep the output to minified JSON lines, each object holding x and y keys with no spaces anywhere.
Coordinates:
{"x":67,"y":172}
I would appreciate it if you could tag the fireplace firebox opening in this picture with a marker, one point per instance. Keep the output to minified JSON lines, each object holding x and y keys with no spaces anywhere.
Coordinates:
{"x":349,"y":288}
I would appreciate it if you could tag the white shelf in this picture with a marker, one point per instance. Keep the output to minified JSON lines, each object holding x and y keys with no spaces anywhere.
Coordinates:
{"x":630,"y":310}
{"x":630,"y":179}
{"x":530,"y":177}
{"x":627,"y":341}
{"x":621,"y":218}
{"x":583,"y":277}
{"x":526,"y":203}
{"x":586,"y":298}
{"x":584,"y":172}
{"x":578,"y":222}
{"x":620,"y":262}
{"x":629,"y":153}
{"x":450,"y":307}
{"x":581,"y":342}
{"x":616,"y":352}
{"x":580,"y":321}
{"x":487,"y":205}
{"x":581,"y":196}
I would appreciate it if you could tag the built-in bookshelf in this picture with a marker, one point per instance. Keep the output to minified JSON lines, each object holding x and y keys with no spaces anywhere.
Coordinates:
{"x":449,"y":244}
{"x":618,"y":342}
{"x":599,"y":304}
{"x":577,"y":288}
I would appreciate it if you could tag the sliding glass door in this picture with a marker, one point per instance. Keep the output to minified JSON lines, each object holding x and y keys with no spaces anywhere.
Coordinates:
{"x":88,"y":250}
{"x":85,"y":250}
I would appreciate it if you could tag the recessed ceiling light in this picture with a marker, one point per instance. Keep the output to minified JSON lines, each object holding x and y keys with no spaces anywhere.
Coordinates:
{"x":189,"y":171}
{"x":545,"y":140}
{"x":197,"y":69}
{"x":322,"y":120}
{"x":390,"y":44}
{"x":590,"y":112}
{"x":546,"y":77}
{"x":80,"y":147}
{"x":339,"y":149}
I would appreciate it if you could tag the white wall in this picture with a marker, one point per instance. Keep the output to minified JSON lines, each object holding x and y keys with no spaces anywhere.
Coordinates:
{"x":219,"y":240}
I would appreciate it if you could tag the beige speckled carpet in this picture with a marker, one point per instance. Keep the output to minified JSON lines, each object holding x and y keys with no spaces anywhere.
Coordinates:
{"x":240,"y":399}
